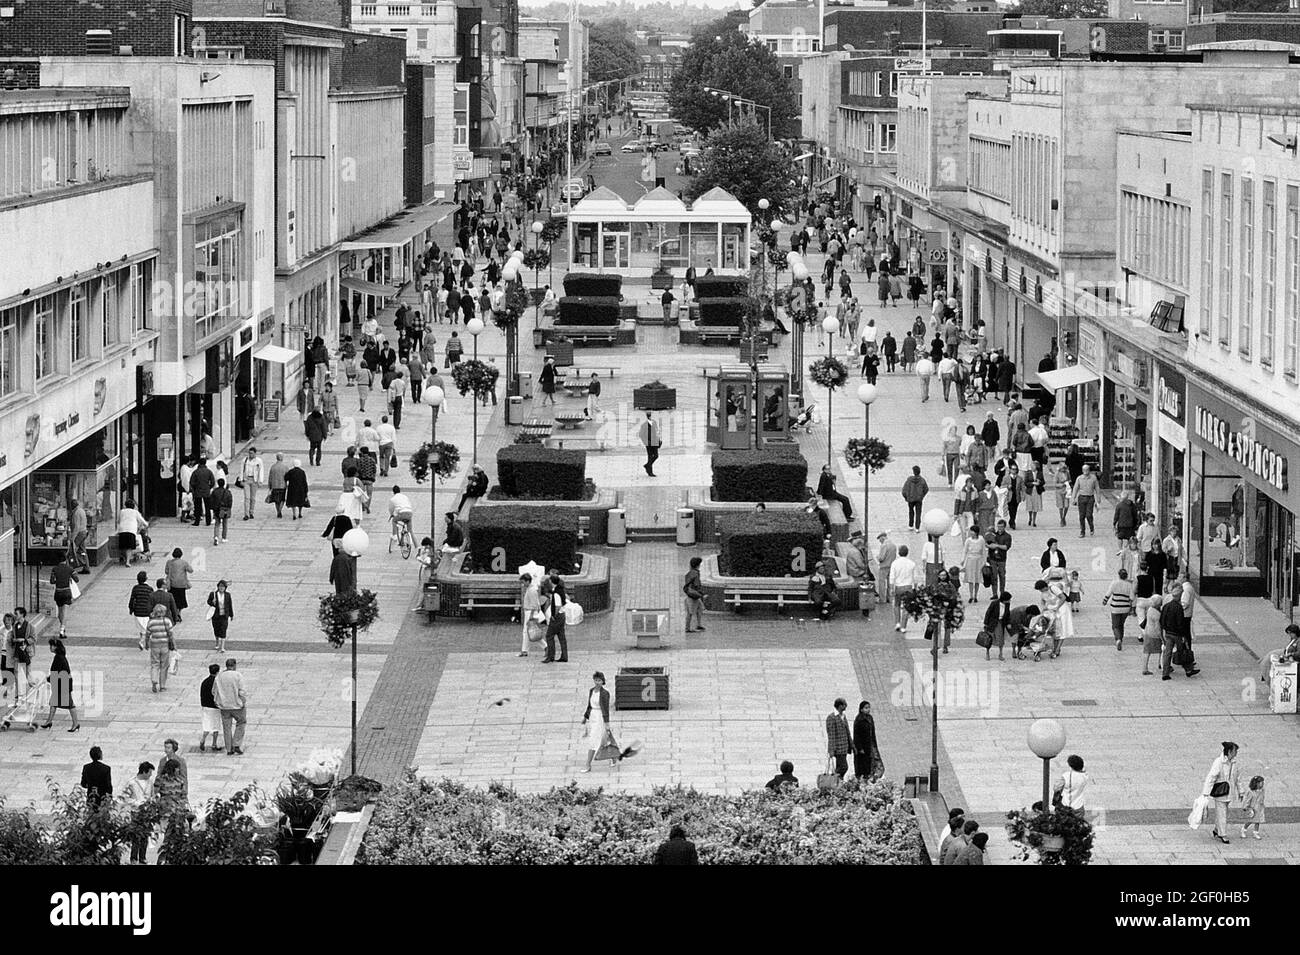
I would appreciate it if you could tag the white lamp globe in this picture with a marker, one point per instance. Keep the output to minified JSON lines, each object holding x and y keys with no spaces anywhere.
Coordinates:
{"x":831,"y":325}
{"x":763,"y":204}
{"x":537,"y":228}
{"x":799,"y":271}
{"x":355,"y":542}
{"x":1046,"y":738}
{"x":432,"y":396}
{"x":474,"y":326}
{"x":936,"y":522}
{"x":776,"y":225}
{"x":510,"y":272}
{"x":866,"y":393}
{"x":793,"y":258}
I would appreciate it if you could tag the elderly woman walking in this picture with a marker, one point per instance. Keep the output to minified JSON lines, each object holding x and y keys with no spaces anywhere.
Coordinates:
{"x":1062,"y":484}
{"x":1120,"y":600}
{"x":295,"y":490}
{"x":1148,"y":614}
{"x":159,"y":642}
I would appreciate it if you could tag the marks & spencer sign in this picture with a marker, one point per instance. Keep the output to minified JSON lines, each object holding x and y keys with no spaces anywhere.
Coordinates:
{"x":1243,"y":444}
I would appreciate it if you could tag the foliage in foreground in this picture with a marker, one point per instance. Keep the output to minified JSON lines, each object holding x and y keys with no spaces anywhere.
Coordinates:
{"x":423,"y":822}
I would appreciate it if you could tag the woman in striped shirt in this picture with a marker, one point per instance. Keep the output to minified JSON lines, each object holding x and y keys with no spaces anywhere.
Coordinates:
{"x":1120,"y":600}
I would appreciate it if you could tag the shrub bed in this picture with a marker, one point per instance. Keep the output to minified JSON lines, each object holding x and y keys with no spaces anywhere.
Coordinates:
{"x":772,"y":474}
{"x":593,"y":283}
{"x":721,"y":286}
{"x":589,"y":310}
{"x":542,"y":473}
{"x":422,"y":822}
{"x":723,"y":311}
{"x":503,"y":538}
{"x":771,"y":544}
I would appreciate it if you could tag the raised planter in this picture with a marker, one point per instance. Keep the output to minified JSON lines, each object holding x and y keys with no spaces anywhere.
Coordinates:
{"x":692,"y":333}
{"x":596,"y":511}
{"x":596,"y":336}
{"x":715,"y":586}
{"x":708,"y":511}
{"x":561,"y":351}
{"x":589,"y":587}
{"x":655,"y":396}
{"x":661,"y":279}
{"x":641,"y":688}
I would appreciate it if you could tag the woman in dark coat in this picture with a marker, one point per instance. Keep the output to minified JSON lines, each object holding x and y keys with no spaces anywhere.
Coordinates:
{"x":295,"y":489}
{"x":60,"y":680}
{"x":1052,"y":557}
{"x":547,"y":379}
{"x":339,"y":524}
{"x":991,"y":373}
{"x":1074,"y":462}
{"x":317,"y":430}
{"x":1006,"y":376}
{"x":867,"y":763}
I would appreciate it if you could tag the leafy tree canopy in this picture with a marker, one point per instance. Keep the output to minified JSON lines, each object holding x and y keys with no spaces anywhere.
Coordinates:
{"x":611,"y":54}
{"x":742,"y":160}
{"x":1060,"y":9}
{"x":728,"y":61}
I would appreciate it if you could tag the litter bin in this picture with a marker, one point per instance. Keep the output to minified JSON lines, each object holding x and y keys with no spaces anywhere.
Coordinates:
{"x":685,"y":527}
{"x":525,"y":385}
{"x":616,"y":534}
{"x":515,"y":410}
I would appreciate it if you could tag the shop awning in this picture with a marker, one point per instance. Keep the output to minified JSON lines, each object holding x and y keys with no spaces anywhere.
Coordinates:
{"x":401,"y":228}
{"x":829,"y":179}
{"x":354,"y":284}
{"x":802,"y":156}
{"x":1066,"y":377}
{"x":276,"y":353}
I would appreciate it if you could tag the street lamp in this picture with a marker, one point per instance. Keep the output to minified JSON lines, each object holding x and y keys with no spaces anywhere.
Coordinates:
{"x":475,"y":327}
{"x":354,"y":543}
{"x":763,"y":206}
{"x":510,"y":275}
{"x":867,"y":395}
{"x":537,"y":228}
{"x":935,"y":523}
{"x":433,"y":396}
{"x":831,"y":326}
{"x":799,"y":272}
{"x":776,"y":244}
{"x":1046,"y":740}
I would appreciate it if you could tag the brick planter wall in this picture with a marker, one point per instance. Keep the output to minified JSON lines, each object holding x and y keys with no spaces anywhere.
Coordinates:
{"x":589,"y":588}
{"x":714,"y":584}
{"x":597,"y":510}
{"x":707,"y":512}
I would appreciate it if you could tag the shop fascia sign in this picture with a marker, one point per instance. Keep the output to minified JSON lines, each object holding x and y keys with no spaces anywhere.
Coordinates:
{"x":1253,"y":455}
{"x":1169,"y":399}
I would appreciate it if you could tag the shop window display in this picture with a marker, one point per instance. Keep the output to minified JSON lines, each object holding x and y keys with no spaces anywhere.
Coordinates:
{"x":1230,"y":527}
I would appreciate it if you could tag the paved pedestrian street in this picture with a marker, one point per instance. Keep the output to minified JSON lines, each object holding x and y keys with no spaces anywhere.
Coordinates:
{"x":452,"y":698}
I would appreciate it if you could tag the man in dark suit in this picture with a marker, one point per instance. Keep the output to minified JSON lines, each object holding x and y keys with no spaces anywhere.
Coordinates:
{"x":97,"y":779}
{"x":677,"y":849}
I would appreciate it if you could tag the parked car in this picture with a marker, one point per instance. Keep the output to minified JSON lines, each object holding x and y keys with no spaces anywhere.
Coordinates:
{"x":632,"y":146}
{"x":690,"y":149}
{"x":604,"y":149}
{"x":573,"y":190}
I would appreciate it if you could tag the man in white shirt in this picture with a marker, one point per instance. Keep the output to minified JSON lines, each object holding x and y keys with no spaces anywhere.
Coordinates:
{"x":387,"y":439}
{"x":1039,"y":433}
{"x":400,"y":511}
{"x":902,"y":578}
{"x":1187,"y":597}
{"x":1148,"y":536}
{"x":946,"y":368}
{"x":251,"y":476}
{"x":1172,"y":545}
{"x":397,"y":396}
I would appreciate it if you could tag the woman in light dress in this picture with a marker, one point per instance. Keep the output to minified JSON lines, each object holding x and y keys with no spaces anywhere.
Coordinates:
{"x":974,"y":553}
{"x":1062,"y":485}
{"x":596,"y":718}
{"x":1055,"y":588}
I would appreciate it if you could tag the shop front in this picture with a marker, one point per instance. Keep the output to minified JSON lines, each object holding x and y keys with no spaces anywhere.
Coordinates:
{"x":1241,"y":506}
{"x":1125,"y":417}
{"x":1167,"y":500}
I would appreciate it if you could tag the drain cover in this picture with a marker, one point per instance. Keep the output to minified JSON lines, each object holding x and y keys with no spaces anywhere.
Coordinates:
{"x":1078,"y":702}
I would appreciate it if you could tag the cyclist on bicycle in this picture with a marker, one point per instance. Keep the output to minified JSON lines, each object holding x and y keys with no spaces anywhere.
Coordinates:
{"x":400,"y":511}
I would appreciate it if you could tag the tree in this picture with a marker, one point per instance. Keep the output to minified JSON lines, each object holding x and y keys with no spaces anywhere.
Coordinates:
{"x":610,"y":54}
{"x":1060,"y":9}
{"x":742,"y":160}
{"x":729,"y":61}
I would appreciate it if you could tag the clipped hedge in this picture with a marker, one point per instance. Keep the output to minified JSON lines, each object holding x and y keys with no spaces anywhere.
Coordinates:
{"x":422,"y":822}
{"x":772,"y":474}
{"x":721,"y":286}
{"x":771,"y":544}
{"x":729,"y":312}
{"x":599,"y":284}
{"x":501,"y":539}
{"x":588,"y":310}
{"x":541,"y":473}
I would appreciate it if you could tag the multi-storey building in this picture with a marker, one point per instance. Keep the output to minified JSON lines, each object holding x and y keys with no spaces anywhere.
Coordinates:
{"x":791,"y":29}
{"x":661,"y":54}
{"x":76,"y":325}
{"x":540,"y":51}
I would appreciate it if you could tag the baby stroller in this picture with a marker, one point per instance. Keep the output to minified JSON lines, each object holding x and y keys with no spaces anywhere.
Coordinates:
{"x":30,"y":707}
{"x":1035,"y":638}
{"x":974,"y":389}
{"x":806,"y":418}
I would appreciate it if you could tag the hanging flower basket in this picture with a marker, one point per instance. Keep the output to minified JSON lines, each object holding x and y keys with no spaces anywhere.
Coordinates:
{"x":935,"y":604}
{"x":441,"y":458}
{"x":828,"y":373}
{"x":1060,"y":836}
{"x":872,"y":452}
{"x":336,"y":615}
{"x":479,"y":377}
{"x":517,"y":301}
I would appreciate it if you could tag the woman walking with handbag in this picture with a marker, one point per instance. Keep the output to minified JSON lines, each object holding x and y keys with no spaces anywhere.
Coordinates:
{"x":995,"y":623}
{"x":221,"y":610}
{"x":530,"y":612}
{"x":160,"y":642}
{"x":867,"y":763}
{"x":596,"y":718}
{"x":1221,"y":786}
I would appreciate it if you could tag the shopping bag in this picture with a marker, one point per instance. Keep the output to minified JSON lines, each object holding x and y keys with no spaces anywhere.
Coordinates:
{"x":984,"y":639}
{"x":1198,"y":811}
{"x":76,"y":591}
{"x":174,"y":663}
{"x":572,"y":613}
{"x":829,"y":779}
{"x":212,"y":612}
{"x":608,"y":749}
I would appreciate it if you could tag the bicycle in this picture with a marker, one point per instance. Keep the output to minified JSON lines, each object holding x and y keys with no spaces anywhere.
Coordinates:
{"x":402,"y":537}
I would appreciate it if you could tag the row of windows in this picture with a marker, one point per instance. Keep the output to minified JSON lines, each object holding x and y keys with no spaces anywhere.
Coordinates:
{"x":861,"y":138}
{"x":44,"y":151}
{"x":799,"y":44}
{"x":1240,"y":224}
{"x":56,"y":332}
{"x":1154,"y":238}
{"x":1033,"y":168}
{"x":873,"y":83}
{"x":1165,"y":39}
{"x":989,"y":164}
